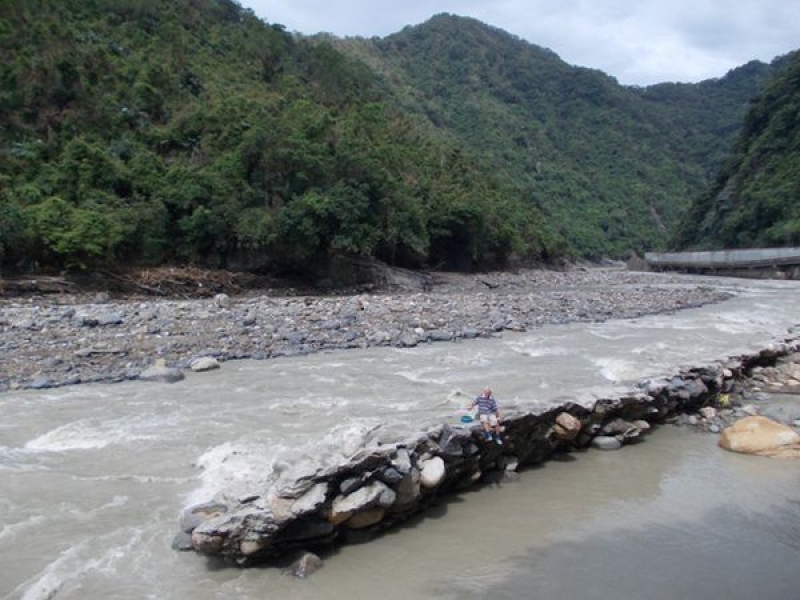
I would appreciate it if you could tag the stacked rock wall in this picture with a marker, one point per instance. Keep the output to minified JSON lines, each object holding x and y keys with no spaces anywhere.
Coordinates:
{"x":384,"y":484}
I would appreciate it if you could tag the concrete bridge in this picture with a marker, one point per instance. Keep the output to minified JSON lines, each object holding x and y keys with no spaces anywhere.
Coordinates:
{"x":783,"y":263}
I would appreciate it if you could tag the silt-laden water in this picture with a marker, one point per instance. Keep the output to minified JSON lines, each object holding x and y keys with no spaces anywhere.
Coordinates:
{"x":92,"y":478}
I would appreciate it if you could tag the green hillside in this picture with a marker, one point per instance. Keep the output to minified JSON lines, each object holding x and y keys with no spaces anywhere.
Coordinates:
{"x":189,"y":131}
{"x":755,"y":201}
{"x":148,"y":132}
{"x":612,"y":168}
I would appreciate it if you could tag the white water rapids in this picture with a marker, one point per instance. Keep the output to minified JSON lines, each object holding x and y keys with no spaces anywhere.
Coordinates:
{"x":93,"y":477}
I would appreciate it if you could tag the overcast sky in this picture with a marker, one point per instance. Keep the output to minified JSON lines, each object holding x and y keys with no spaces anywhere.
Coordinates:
{"x":638,"y":41}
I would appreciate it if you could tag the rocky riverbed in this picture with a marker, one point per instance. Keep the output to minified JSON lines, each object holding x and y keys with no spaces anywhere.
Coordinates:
{"x":771,"y":390}
{"x":53,"y":340}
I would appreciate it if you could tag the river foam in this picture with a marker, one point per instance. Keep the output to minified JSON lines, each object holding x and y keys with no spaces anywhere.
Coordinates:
{"x":92,"y":434}
{"x":75,"y":562}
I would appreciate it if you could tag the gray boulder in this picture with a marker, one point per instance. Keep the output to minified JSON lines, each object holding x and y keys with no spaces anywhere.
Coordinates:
{"x":311,"y":501}
{"x":305,"y":565}
{"x":109,"y":318}
{"x":160,"y":372}
{"x":375,"y":494}
{"x":222,"y":301}
{"x":193,"y":516}
{"x":40,"y":383}
{"x":605,"y":442}
{"x":440,"y":335}
{"x":432,"y":473}
{"x":203,"y":364}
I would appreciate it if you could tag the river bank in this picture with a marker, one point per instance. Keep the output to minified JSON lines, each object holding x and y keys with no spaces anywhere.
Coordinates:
{"x":63,"y":339}
{"x":96,"y":475}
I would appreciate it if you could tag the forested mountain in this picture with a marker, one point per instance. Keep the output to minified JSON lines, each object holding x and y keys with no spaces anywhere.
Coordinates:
{"x":612,"y":168}
{"x":755,"y":201}
{"x":156,"y":131}
{"x":189,"y":131}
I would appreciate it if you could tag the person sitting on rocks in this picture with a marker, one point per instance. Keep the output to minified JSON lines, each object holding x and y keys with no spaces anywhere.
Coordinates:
{"x":489,"y":415}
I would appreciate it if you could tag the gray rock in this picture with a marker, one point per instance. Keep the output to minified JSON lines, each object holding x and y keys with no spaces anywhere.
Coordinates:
{"x":182,"y":542}
{"x":621,"y":429}
{"x":408,"y":491}
{"x":193,"y":516}
{"x":160,"y":372}
{"x":604,"y":442}
{"x":305,"y":566}
{"x":390,"y":476}
{"x":402,"y":461}
{"x":380,"y":338}
{"x":87,"y":320}
{"x":298,"y":479}
{"x":294,"y":337}
{"x":41,"y":383}
{"x":203,"y":364}
{"x":433,"y":471}
{"x":222,"y":301}
{"x":108,"y":319}
{"x":350,"y":485}
{"x":440,"y":335}
{"x":408,"y":339}
{"x":387,"y":498}
{"x":367,"y":518}
{"x":311,"y":501}
{"x":362,"y":499}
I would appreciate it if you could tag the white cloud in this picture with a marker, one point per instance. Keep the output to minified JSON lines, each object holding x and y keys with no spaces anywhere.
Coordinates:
{"x":637,"y":41}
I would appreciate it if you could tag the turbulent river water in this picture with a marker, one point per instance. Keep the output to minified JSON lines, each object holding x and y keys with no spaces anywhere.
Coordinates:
{"x":92,"y":478}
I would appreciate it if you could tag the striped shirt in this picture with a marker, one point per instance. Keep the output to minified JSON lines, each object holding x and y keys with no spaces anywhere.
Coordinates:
{"x":486,"y":406}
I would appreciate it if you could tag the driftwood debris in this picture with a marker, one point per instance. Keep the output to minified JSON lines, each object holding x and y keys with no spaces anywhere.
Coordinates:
{"x":189,"y":282}
{"x":180,"y":282}
{"x":35,"y":285}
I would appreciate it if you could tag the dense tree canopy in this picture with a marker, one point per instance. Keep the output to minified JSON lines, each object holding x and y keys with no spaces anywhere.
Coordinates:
{"x":612,"y":168}
{"x":755,"y":201}
{"x":189,"y":131}
{"x":153,"y":131}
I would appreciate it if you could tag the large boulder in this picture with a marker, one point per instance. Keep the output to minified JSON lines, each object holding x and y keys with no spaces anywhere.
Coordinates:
{"x":376,"y":493}
{"x":567,"y":427}
{"x":408,"y":491}
{"x":762,"y":436}
{"x":433,"y":471}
